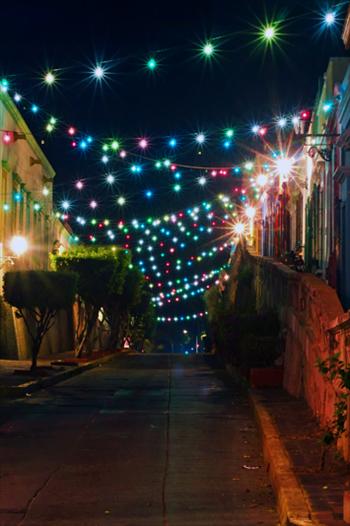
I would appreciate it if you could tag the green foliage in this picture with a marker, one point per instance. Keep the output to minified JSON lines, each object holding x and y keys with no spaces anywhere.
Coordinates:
{"x":37,"y":296}
{"x":335,"y":370}
{"x":101,"y":271}
{"x":39,"y":289}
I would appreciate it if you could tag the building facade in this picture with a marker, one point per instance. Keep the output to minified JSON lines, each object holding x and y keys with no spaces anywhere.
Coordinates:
{"x":26,"y":209}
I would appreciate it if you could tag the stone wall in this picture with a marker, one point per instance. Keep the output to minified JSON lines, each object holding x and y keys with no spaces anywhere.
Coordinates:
{"x":315,"y":326}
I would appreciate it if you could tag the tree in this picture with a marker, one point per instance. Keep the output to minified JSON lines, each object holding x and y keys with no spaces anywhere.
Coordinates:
{"x":101,"y":275}
{"x":38,"y":295}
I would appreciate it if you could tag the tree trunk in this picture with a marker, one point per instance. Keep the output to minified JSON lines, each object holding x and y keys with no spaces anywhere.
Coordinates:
{"x":35,"y":351}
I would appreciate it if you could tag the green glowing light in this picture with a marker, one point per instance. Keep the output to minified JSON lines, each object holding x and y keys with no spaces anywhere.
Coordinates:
{"x":152,"y":64}
{"x":208,"y":50}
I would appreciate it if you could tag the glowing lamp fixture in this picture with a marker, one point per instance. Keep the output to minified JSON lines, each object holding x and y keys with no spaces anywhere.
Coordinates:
{"x":18,"y":245}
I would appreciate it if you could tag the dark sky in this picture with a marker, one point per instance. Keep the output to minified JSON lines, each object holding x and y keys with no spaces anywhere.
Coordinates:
{"x":245,"y":83}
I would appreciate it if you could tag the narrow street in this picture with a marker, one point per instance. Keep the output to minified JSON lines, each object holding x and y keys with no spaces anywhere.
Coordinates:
{"x":145,"y":440}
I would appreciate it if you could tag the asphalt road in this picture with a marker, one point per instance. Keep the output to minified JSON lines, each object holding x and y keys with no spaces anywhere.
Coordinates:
{"x":141,"y":441}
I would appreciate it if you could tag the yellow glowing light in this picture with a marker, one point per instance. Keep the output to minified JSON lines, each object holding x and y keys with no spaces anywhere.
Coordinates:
{"x":18,"y":245}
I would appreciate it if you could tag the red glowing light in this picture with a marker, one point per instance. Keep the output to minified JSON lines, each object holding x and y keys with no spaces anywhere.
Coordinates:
{"x":305,"y":115}
{"x":7,"y":137}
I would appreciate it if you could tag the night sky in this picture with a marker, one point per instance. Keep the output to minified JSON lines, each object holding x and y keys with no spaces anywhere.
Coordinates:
{"x":243,"y":84}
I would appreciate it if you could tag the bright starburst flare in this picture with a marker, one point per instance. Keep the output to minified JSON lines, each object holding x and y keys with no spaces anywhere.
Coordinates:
{"x":239,"y":228}
{"x":269,"y":34}
{"x":283,"y":166}
{"x":121,"y":201}
{"x":49,"y":78}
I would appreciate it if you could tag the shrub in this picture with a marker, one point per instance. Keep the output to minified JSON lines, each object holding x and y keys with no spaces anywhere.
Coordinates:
{"x":38,"y":295}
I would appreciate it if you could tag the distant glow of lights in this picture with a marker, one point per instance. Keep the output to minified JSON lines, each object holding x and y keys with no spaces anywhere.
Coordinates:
{"x":152,"y":64}
{"x":121,"y":200}
{"x":200,"y":138}
{"x":110,"y":179}
{"x":49,"y":78}
{"x":65,"y":205}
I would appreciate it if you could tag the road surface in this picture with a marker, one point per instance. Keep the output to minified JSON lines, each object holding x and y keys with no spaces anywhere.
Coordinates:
{"x":144,"y":440}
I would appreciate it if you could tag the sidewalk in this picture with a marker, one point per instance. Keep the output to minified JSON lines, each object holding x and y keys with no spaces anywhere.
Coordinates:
{"x":17,"y":380}
{"x":292,"y":448}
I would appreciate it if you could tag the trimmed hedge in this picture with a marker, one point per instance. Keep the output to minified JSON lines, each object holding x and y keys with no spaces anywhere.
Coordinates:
{"x":41,"y":289}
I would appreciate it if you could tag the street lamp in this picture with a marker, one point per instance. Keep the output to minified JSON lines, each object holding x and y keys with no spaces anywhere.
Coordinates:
{"x":18,"y":246}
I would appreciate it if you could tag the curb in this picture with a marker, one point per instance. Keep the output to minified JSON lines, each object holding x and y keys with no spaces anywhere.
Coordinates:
{"x":35,"y":385}
{"x":293,"y":505}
